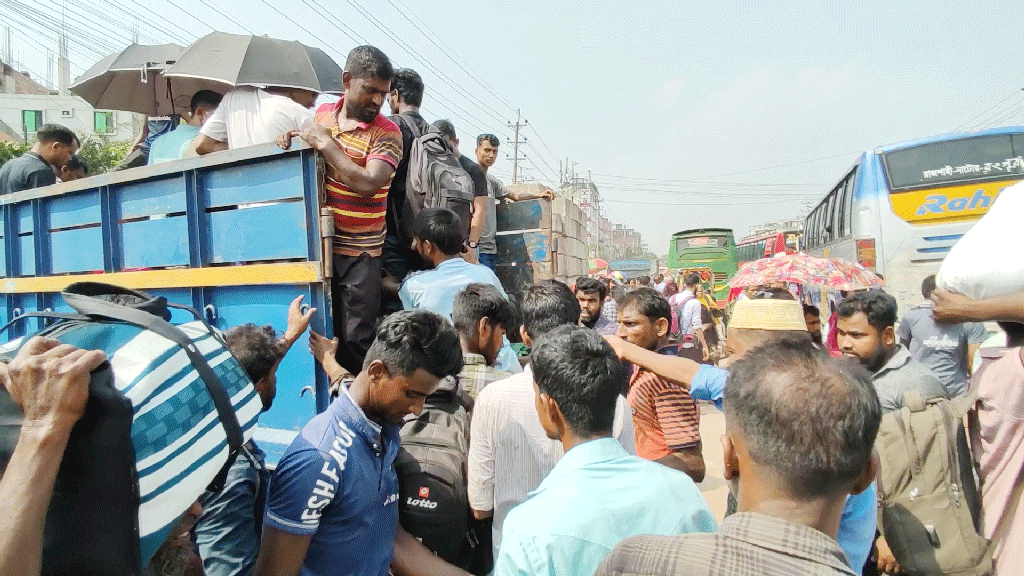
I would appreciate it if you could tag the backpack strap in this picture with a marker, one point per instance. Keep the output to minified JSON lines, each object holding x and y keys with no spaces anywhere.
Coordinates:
{"x":95,"y":307}
{"x":57,"y":315}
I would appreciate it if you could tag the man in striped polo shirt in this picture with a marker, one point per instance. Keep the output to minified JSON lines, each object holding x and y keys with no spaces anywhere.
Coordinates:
{"x":362,"y":148}
{"x":665,"y":417}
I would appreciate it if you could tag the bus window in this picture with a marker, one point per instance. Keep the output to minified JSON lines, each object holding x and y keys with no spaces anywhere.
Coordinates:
{"x":952,"y":161}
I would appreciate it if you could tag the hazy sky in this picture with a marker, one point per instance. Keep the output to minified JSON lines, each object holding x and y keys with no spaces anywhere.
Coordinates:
{"x":687,"y":114}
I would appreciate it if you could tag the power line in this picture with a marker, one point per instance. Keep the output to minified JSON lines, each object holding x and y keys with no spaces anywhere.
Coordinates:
{"x":447,"y":51}
{"x":355,"y":36}
{"x":980,"y":114}
{"x":467,"y":94}
{"x":229,"y":17}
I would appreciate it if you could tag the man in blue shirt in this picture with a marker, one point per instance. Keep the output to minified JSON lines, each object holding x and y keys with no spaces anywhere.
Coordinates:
{"x":439,"y":240}
{"x":598,"y":494}
{"x":175,"y":144}
{"x":333,"y":501}
{"x":756,"y":322}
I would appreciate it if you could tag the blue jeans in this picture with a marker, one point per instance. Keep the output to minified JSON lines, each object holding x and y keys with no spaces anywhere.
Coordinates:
{"x":228,"y":533}
{"x":486,"y":259}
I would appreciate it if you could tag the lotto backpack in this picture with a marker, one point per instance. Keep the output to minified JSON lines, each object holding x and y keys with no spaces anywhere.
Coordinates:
{"x":436,"y":179}
{"x":431,"y":467}
{"x":165,"y":417}
{"x":929,"y":506}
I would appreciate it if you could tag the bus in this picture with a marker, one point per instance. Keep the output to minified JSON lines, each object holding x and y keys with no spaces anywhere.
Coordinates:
{"x":900,"y":208}
{"x":711,"y":251}
{"x":766,"y":246}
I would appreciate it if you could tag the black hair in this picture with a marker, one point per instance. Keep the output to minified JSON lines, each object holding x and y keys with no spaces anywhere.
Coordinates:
{"x":810,"y":418}
{"x":928,"y":286}
{"x":76,"y":163}
{"x":413,"y":339}
{"x":49,"y":133}
{"x":489,"y":138}
{"x":648,"y":302}
{"x":644,"y":280}
{"x":618,"y":292}
{"x":446,"y":128}
{"x":478,"y":301}
{"x":546,"y":306}
{"x":589,"y":285}
{"x":774,"y":294}
{"x":580,"y":372}
{"x":369,"y":62}
{"x":812,"y":310}
{"x":878,"y":306}
{"x":442,"y":228}
{"x":1014,"y":333}
{"x":691,"y":279}
{"x":256,"y":348}
{"x":206,"y":99}
{"x":409,"y":86}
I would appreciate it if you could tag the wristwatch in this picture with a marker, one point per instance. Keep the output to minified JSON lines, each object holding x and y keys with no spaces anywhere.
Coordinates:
{"x":472,"y":244}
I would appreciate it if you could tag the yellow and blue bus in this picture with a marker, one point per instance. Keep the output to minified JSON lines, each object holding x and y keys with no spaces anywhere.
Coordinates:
{"x":709,"y":251}
{"x":900,"y":208}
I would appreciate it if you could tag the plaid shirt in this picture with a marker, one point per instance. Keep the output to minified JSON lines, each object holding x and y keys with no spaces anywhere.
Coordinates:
{"x":476,"y":374}
{"x":747,"y":544}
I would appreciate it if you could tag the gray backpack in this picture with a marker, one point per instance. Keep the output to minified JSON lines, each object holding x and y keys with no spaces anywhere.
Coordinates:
{"x":436,"y":179}
{"x":929,"y":506}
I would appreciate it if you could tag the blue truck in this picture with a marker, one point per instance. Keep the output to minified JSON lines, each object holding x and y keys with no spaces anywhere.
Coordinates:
{"x":237,"y":235}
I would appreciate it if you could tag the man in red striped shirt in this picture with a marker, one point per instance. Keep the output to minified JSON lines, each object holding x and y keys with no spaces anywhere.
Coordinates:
{"x":666,"y":418}
{"x":362,"y":148}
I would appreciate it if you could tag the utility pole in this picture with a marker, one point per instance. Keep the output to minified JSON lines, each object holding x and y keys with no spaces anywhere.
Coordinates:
{"x":515,"y":145}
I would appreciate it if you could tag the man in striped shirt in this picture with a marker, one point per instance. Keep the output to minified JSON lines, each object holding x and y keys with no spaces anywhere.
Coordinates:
{"x":362,"y":148}
{"x":665,"y":416}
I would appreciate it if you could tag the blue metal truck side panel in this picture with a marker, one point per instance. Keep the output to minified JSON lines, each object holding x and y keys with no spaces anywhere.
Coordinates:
{"x":241,"y":209}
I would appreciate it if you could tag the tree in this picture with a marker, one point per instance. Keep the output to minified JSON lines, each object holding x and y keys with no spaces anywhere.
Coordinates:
{"x":99,"y":154}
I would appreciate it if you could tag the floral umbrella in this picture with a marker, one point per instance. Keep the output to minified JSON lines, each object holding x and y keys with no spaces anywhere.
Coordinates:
{"x":834,"y":273}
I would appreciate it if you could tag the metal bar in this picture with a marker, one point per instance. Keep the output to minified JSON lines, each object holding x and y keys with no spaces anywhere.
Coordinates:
{"x":246,"y":275}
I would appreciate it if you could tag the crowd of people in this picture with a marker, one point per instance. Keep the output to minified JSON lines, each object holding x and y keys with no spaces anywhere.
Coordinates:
{"x":583,"y":457}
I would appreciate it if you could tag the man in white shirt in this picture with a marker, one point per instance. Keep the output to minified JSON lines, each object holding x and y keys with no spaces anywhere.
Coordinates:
{"x":689,"y":307}
{"x":509,"y":451}
{"x":248,"y":116}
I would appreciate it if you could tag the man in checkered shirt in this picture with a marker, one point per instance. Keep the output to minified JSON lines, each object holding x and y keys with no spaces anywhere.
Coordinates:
{"x":778,"y":400}
{"x":481,"y":316}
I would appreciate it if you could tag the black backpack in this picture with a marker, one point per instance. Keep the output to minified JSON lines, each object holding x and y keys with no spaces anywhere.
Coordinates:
{"x":431,"y":467}
{"x":435,"y":177}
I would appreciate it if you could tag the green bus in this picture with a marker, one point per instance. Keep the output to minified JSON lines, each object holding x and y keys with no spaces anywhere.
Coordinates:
{"x":711,"y":252}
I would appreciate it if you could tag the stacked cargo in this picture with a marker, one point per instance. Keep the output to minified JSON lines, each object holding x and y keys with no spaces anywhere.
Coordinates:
{"x":539,"y":240}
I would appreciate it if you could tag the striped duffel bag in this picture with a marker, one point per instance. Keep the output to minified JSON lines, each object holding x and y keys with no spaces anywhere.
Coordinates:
{"x":164,"y":420}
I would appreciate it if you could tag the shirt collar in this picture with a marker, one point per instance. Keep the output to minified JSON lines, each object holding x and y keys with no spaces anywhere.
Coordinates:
{"x":581,"y":455}
{"x":362,"y":125}
{"x":37,"y":157}
{"x":457,"y":261}
{"x":787,"y":537}
{"x":470,"y":358}
{"x":354,"y":408}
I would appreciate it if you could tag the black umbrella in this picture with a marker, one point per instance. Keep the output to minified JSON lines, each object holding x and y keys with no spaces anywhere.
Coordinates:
{"x":245,"y":60}
{"x":132,"y":80}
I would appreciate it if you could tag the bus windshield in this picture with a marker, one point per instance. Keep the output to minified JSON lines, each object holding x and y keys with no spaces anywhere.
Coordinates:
{"x":955,"y":161}
{"x":701,"y":242}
